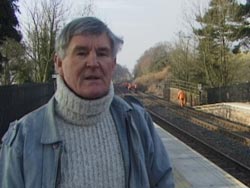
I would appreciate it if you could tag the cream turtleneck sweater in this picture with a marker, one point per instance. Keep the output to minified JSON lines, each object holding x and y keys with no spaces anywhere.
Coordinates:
{"x":92,"y":156}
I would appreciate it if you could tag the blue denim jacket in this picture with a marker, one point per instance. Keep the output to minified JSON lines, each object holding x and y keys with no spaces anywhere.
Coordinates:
{"x":31,"y":149}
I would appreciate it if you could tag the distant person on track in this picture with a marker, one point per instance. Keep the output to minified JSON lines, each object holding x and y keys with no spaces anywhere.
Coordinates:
{"x":129,"y":86}
{"x":182,"y":98}
{"x":85,"y":136}
{"x":135,"y":87}
{"x":132,"y":87}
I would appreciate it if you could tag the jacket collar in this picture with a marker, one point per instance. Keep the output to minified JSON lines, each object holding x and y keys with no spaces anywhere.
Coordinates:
{"x":119,"y":110}
{"x":49,"y":132}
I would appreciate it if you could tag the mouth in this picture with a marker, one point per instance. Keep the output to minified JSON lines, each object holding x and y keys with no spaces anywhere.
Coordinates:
{"x":92,"y":78}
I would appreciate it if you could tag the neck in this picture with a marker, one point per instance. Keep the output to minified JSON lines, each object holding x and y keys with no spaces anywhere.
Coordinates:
{"x":77,"y":110}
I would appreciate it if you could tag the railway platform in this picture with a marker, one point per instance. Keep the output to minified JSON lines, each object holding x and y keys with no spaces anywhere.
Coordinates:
{"x":191,"y":170}
{"x":234,"y":111}
{"x":240,"y":105}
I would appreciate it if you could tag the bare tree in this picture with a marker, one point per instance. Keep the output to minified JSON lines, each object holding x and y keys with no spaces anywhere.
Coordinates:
{"x":153,"y":60}
{"x":45,"y":19}
{"x":88,"y":9}
{"x":183,"y":58}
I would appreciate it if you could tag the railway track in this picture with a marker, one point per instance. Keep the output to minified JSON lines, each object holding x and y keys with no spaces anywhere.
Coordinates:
{"x":237,"y":131}
{"x":227,"y":163}
{"x":223,"y":142}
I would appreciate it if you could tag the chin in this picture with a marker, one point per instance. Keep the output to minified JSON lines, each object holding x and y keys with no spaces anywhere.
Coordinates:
{"x":93,"y":91}
{"x":95,"y":95}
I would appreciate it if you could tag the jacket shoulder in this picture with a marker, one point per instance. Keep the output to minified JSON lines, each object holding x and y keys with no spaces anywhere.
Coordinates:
{"x":18,"y":128}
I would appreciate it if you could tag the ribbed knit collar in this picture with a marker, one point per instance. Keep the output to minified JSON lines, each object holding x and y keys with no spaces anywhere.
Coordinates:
{"x":80,"y":111}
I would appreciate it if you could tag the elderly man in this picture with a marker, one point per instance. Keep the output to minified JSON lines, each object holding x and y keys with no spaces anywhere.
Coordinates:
{"x":85,"y":136}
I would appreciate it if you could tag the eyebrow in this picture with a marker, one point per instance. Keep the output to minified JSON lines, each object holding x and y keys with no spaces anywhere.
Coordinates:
{"x":85,"y":48}
{"x":106,"y":49}
{"x":80,"y":48}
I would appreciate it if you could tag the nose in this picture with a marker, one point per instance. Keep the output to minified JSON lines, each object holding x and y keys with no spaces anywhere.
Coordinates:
{"x":92,"y":60}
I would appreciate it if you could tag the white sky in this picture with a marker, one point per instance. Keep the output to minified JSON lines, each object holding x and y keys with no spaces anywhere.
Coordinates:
{"x":142,"y":23}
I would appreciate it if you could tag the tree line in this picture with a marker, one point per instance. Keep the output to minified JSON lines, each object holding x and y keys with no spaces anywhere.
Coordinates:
{"x":27,"y":56}
{"x":215,"y":53}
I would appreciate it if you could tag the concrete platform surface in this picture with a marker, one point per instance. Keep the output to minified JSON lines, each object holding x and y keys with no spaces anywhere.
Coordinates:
{"x":239,"y":105}
{"x":234,"y":111}
{"x":191,"y":170}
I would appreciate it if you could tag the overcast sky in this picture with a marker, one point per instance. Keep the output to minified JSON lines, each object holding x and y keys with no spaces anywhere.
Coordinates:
{"x":142,"y":23}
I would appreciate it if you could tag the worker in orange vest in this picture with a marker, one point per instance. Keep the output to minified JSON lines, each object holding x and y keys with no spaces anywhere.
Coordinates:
{"x":182,"y":98}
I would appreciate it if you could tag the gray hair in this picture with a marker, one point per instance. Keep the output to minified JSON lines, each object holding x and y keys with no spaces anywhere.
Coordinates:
{"x":85,"y":26}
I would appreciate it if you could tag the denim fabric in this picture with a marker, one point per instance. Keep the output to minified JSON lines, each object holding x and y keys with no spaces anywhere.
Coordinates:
{"x":31,"y":150}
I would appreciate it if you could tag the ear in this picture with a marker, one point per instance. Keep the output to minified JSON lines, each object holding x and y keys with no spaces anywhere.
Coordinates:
{"x":58,"y":64}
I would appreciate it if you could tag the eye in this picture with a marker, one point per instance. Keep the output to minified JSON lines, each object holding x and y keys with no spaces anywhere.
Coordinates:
{"x":82,"y":53}
{"x":102,"y":54}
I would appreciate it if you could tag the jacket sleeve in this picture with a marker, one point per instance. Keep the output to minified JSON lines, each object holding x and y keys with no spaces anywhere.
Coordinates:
{"x":11,"y":160}
{"x":160,"y":169}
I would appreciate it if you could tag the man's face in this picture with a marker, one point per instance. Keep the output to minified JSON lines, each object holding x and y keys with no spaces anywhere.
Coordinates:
{"x":88,"y":65}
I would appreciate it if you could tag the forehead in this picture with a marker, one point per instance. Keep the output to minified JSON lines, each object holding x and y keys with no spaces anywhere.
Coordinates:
{"x":89,"y":40}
